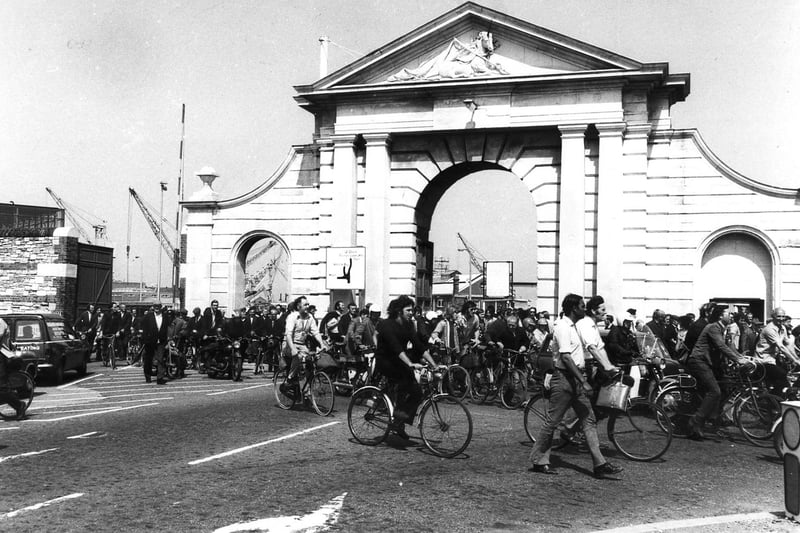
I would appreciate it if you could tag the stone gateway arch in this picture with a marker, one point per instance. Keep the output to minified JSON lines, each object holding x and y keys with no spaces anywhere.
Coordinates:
{"x":625,"y":205}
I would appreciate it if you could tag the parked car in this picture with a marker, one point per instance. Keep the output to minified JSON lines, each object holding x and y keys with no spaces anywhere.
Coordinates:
{"x":49,"y":341}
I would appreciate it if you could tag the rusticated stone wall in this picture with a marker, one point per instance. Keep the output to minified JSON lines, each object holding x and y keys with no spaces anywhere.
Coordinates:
{"x":39,"y":274}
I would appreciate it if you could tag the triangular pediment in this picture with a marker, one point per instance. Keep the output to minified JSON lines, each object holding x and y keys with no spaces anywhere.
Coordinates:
{"x":472,"y":41}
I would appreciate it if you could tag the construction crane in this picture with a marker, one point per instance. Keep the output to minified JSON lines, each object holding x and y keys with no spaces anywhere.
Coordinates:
{"x":268,"y":274}
{"x":155,"y":226}
{"x":476,"y":260}
{"x":78,"y":220}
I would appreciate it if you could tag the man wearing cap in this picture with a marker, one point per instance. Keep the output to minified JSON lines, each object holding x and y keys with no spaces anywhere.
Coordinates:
{"x":155,"y":334}
{"x":773,"y":343}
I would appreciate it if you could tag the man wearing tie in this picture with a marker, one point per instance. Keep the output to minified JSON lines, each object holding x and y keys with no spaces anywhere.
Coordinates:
{"x":154,"y":337}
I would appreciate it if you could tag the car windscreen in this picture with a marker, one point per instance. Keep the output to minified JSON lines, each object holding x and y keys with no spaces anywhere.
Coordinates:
{"x":27,"y":330}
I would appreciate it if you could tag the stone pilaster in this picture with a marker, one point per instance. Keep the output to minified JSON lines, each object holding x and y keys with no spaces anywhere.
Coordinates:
{"x":376,"y":233}
{"x":343,"y":217}
{"x":610,"y":216}
{"x":572,"y":228}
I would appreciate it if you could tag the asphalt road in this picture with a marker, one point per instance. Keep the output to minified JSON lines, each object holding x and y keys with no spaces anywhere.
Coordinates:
{"x":111,"y":453}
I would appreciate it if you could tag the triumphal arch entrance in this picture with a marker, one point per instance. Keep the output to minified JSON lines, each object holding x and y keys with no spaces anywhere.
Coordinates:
{"x":586,"y":131}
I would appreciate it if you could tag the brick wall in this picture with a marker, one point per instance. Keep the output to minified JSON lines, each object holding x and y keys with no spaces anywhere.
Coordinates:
{"x":37,"y":274}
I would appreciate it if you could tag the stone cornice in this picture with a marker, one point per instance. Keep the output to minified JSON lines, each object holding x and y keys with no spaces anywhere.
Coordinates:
{"x":610,"y":129}
{"x":377,"y":139}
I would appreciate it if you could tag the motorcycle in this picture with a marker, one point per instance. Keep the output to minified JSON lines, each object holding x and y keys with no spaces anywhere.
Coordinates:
{"x":225,"y":358}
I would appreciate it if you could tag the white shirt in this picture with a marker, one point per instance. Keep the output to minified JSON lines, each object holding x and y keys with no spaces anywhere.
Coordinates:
{"x":566,"y":338}
{"x":590,"y":335}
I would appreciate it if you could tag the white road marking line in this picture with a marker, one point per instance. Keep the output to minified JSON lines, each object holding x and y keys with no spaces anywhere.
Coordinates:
{"x":238,"y":390}
{"x":250,"y":447}
{"x":327,"y":515}
{"x":12,"y":514}
{"x":105,"y":408}
{"x":12,"y":427}
{"x":27,"y":454}
{"x":691,"y":522}
{"x":79,"y":381}
{"x":83,"y":435}
{"x":106,"y":404}
{"x":104,"y":411}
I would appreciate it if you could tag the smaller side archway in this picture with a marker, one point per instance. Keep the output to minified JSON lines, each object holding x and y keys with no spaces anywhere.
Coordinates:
{"x":738,"y":265}
{"x":258,"y":270}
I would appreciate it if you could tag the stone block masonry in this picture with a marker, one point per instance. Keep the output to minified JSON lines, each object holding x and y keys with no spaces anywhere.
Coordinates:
{"x":39,"y":274}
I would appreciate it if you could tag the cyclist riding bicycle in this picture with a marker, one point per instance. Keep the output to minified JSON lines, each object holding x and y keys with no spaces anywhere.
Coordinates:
{"x":300,"y":328}
{"x":394,"y":337}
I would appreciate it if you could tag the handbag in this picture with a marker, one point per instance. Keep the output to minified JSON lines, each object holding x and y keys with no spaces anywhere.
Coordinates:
{"x":614,"y":395}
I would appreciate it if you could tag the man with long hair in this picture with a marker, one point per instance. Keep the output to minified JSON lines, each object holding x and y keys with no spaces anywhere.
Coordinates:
{"x":393,"y":362}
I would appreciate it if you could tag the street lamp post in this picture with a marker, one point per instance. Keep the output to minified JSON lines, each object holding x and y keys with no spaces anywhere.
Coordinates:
{"x":160,"y":236}
{"x":469,"y":279}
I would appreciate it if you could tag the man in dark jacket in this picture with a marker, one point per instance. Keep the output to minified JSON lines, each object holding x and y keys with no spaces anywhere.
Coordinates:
{"x":704,"y":363}
{"x":621,"y":343}
{"x":155,"y":334}
{"x":697,"y":327}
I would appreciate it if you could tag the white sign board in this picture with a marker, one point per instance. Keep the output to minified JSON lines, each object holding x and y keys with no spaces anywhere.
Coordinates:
{"x":499,"y":276}
{"x":346,"y":268}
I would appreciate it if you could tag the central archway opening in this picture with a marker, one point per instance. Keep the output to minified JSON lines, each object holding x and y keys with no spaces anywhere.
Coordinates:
{"x":261,"y":272}
{"x":471,"y":213}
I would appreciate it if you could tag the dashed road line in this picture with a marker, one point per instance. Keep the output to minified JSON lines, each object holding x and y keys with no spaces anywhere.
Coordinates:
{"x":26,"y":454}
{"x":239,"y":390}
{"x":83,"y":435}
{"x":258,"y":445}
{"x":112,"y":410}
{"x":12,"y":427}
{"x":79,"y":381}
{"x":104,"y":408}
{"x":12,"y":514}
{"x":691,"y":522}
{"x":42,"y":408}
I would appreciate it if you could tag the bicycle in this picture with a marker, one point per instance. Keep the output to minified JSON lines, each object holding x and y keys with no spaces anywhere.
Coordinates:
{"x":311,"y":384}
{"x":135,"y":349}
{"x":501,"y":377}
{"x":107,"y":351}
{"x":355,"y":371}
{"x":641,"y":431}
{"x":22,"y":386}
{"x":444,"y":421}
{"x":456,"y":378}
{"x":751,"y":408}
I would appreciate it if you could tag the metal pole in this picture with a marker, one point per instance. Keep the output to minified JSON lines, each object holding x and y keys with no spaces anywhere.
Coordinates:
{"x":160,"y":236}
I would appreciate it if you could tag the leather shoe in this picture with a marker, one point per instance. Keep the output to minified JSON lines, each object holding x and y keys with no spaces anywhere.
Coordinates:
{"x":147,"y":380}
{"x":21,"y":412}
{"x":607,"y":469}
{"x":161,"y":382}
{"x":400,"y":431}
{"x":543,"y":469}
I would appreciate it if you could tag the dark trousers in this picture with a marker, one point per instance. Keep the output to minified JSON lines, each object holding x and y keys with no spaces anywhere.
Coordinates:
{"x":707,"y":383}
{"x":151,"y":352}
{"x":409,"y":393}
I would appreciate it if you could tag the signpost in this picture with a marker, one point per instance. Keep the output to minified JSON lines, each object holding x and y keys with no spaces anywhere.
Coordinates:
{"x":346,"y":268}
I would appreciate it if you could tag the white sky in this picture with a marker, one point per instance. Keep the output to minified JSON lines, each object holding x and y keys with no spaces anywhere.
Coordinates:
{"x":91,"y":93}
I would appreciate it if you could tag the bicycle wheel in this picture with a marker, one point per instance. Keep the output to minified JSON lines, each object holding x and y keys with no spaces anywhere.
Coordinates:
{"x":536,"y":414}
{"x":777,"y":438}
{"x":755,"y":415}
{"x":456,"y":381}
{"x":512,"y":388}
{"x":369,"y":415}
{"x":104,"y":354}
{"x":640,"y":433}
{"x":480,"y":384}
{"x":679,"y":405}
{"x":445,"y":425}
{"x":322,"y":397}
{"x":284,"y":394}
{"x":129,"y":353}
{"x":171,"y":363}
{"x":112,"y":356}
{"x":22,"y":385}
{"x":190,"y":357}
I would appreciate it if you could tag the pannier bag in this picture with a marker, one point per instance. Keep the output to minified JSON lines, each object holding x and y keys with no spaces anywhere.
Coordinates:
{"x":614,"y":395}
